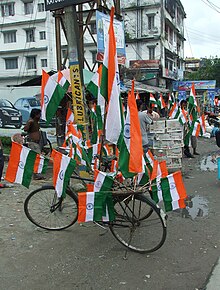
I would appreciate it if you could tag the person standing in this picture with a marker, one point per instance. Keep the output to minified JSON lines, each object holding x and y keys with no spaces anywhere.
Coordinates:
{"x":145,"y":121}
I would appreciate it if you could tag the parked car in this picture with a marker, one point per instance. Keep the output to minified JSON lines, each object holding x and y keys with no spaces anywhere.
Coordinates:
{"x":25,"y":106}
{"x":9,"y":115}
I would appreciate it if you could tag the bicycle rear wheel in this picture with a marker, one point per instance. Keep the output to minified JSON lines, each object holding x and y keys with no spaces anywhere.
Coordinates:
{"x":139,"y":224}
{"x":44,"y":209}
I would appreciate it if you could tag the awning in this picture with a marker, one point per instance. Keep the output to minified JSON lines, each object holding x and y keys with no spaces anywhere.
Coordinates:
{"x":141,"y":88}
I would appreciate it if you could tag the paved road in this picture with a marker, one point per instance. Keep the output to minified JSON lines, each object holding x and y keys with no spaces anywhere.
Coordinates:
{"x":86,"y":257}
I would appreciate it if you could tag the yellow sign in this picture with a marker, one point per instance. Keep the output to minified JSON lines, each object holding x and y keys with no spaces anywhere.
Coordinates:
{"x":77,"y":94}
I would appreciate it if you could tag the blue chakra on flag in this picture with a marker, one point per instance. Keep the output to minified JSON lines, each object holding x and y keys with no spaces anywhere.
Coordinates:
{"x":21,"y":164}
{"x":46,"y":99}
{"x":127,"y":134}
{"x":61,"y":175}
{"x":89,"y":206}
{"x":172,"y":185}
{"x":98,"y":184}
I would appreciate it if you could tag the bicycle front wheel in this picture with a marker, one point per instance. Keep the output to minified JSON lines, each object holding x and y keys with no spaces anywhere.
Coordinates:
{"x":44,"y":209}
{"x":139,"y":224}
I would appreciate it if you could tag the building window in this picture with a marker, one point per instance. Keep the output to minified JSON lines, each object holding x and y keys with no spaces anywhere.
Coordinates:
{"x":150,"y":22}
{"x":9,"y":36}
{"x":44,"y":62}
{"x":64,"y":53}
{"x":31,"y":62}
{"x":40,"y":7}
{"x":8,"y":9}
{"x":30,"y":35}
{"x":11,"y":63}
{"x":28,"y":8}
{"x":93,"y":28}
{"x":151,"y":52}
{"x":42,"y":35}
{"x":93,"y":52}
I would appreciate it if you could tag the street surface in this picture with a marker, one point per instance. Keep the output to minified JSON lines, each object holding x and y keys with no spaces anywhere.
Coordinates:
{"x":87,"y":257}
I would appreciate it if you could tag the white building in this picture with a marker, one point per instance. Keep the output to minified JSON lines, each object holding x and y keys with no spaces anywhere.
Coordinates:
{"x":154,"y":40}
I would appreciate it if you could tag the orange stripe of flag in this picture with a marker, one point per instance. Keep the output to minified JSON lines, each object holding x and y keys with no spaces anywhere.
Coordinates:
{"x":13,"y":163}
{"x":81,"y":207}
{"x":36,"y":163}
{"x":111,"y":54}
{"x":136,"y":149}
{"x":177,"y":176}
{"x":181,"y":203}
{"x":163,"y":168}
{"x":44,"y":81}
{"x":57,"y":157}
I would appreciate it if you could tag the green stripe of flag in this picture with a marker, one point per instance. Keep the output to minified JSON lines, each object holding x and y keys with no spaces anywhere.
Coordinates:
{"x":54,"y":102}
{"x":69,"y":170}
{"x":29,"y":168}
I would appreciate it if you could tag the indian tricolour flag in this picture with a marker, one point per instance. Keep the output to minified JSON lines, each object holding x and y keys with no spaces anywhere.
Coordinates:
{"x":202,"y":124}
{"x":161,"y":102}
{"x":98,"y":204}
{"x":173,"y":191}
{"x":61,"y":80}
{"x":131,"y":150}
{"x":196,"y":129}
{"x":159,"y":171}
{"x":149,"y":159}
{"x":40,"y":164}
{"x":110,"y":86}
{"x":183,"y":117}
{"x":51,"y":95}
{"x":152,"y":101}
{"x":63,"y":167}
{"x":21,"y":165}
{"x":174,"y":112}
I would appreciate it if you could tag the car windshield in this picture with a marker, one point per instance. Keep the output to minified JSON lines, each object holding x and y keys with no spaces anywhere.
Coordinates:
{"x":5,"y":103}
{"x":34,"y":102}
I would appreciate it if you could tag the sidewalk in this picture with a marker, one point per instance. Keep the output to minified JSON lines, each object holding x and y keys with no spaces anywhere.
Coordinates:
{"x":214,"y":279}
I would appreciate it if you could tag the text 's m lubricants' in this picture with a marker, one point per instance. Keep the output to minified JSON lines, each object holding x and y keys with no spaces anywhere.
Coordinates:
{"x":77,"y":94}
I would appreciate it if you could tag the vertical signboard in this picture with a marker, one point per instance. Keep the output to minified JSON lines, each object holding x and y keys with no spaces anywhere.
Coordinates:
{"x":77,"y":94}
{"x":102,"y":26}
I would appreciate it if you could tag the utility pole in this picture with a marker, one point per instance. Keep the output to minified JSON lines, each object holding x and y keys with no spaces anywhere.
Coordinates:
{"x":76,"y":72}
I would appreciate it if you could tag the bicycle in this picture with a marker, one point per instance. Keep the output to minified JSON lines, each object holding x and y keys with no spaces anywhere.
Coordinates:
{"x":140,"y":225}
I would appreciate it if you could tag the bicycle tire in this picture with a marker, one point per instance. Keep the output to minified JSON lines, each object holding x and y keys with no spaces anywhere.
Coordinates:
{"x":47,"y":149}
{"x":140,"y":232}
{"x":43,"y":208}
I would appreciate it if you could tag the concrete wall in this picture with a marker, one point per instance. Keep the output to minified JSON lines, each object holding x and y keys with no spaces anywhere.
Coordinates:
{"x":14,"y":93}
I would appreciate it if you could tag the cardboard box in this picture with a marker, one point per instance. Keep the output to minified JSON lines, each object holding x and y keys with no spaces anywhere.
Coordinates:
{"x":168,"y":153}
{"x":158,"y":126}
{"x":167,"y":144}
{"x":174,"y":163}
{"x":173,"y":125}
{"x":169,"y":136}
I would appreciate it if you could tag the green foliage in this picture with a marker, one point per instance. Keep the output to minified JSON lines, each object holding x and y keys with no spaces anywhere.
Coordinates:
{"x":209,"y":70}
{"x":6,"y":141}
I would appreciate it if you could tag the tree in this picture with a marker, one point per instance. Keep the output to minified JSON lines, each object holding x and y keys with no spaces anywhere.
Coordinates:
{"x":209,"y":70}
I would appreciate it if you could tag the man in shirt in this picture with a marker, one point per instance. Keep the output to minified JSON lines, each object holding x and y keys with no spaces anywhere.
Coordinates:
{"x":145,"y":121}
